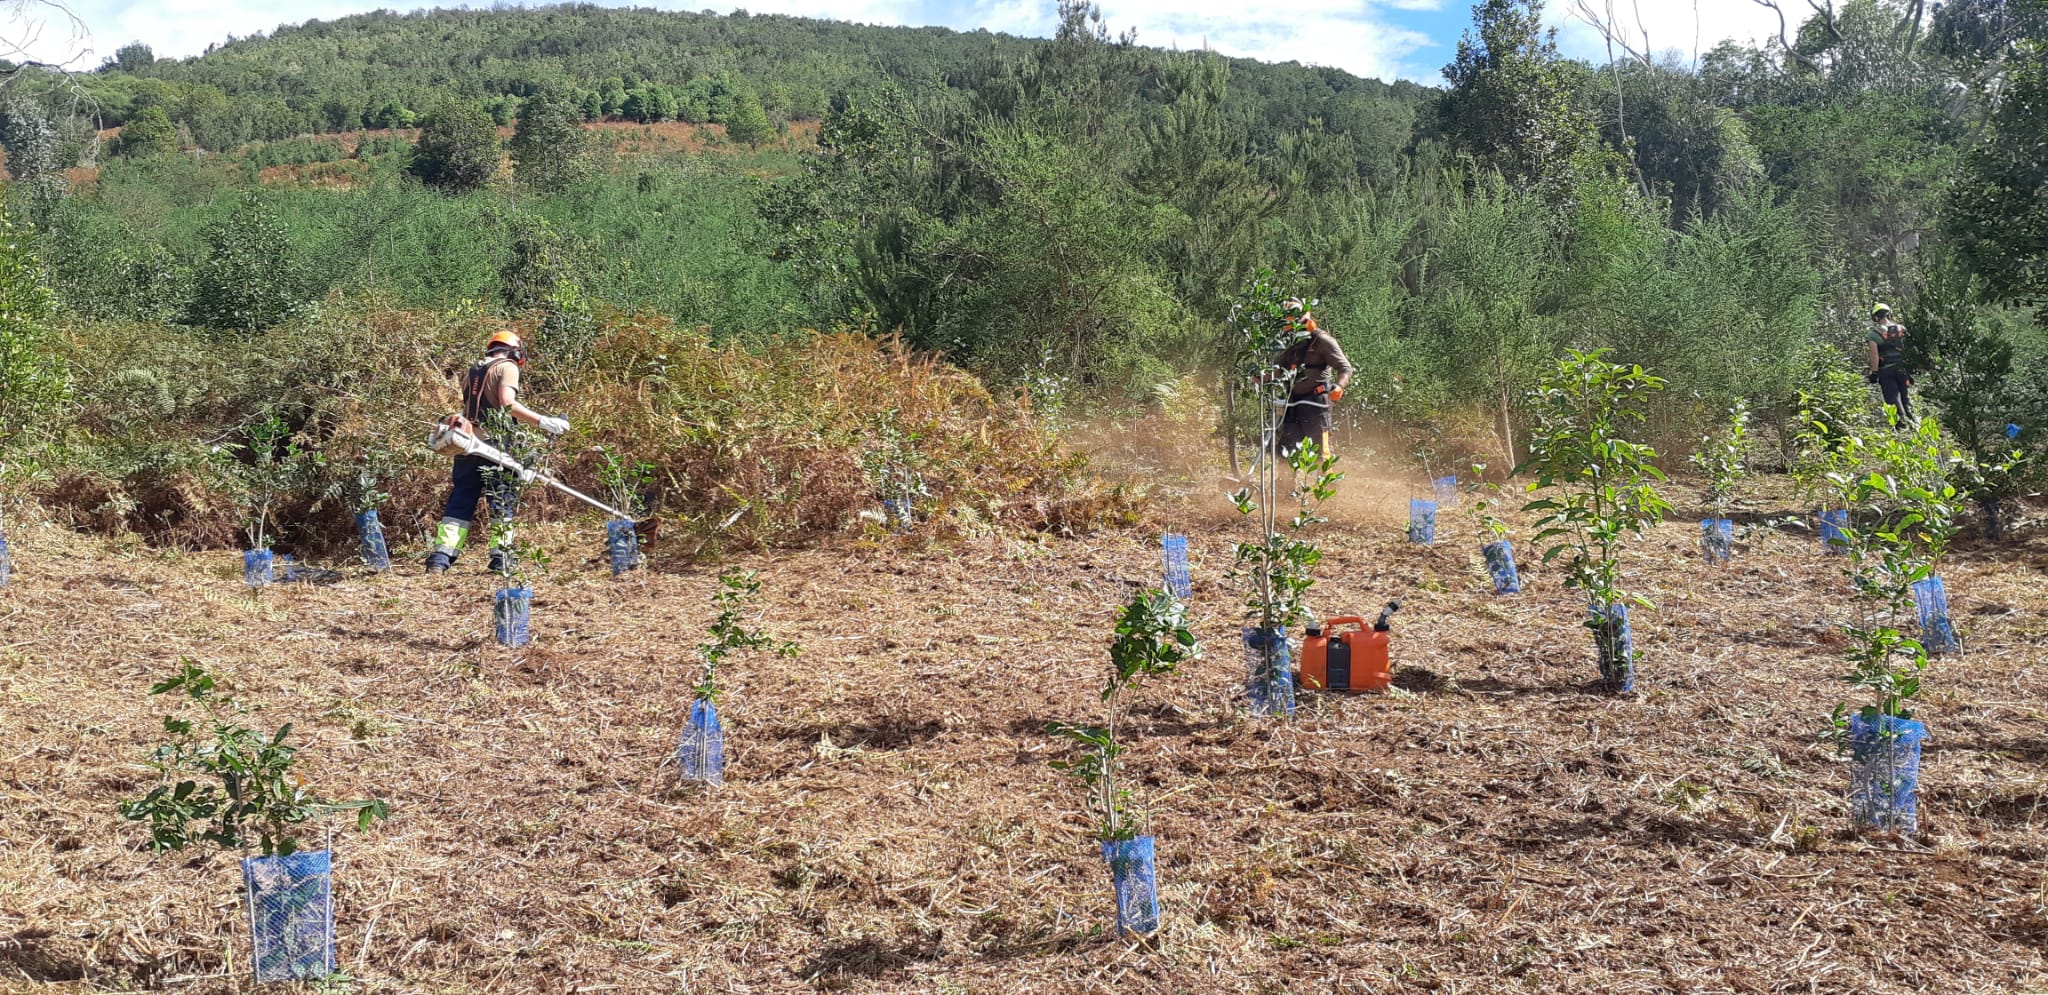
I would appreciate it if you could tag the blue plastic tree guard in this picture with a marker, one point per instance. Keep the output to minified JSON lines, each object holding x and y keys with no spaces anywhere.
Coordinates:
{"x":1269,"y":671}
{"x":291,"y":915}
{"x":700,"y":757}
{"x":1421,"y":521}
{"x":1616,"y":645}
{"x":1937,"y":633}
{"x":1445,"y":490}
{"x":6,"y":561}
{"x":256,"y":565}
{"x":370,"y":542}
{"x":1500,"y":562}
{"x":898,"y":513}
{"x":1717,"y":539}
{"x":1884,"y":772}
{"x":511,"y":615}
{"x":622,"y":545}
{"x":1831,"y":525}
{"x":1133,"y":871}
{"x":1176,"y":556}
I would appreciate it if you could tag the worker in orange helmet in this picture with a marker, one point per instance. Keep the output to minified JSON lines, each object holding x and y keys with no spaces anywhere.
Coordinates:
{"x":490,"y":405}
{"x":1321,"y":372}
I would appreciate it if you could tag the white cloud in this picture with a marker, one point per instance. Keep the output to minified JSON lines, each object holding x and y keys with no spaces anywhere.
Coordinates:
{"x":1341,"y":33}
{"x":1685,"y":27}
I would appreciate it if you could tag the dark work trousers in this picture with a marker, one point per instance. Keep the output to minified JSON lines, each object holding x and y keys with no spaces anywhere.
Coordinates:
{"x":1892,"y":381}
{"x":1307,"y":420}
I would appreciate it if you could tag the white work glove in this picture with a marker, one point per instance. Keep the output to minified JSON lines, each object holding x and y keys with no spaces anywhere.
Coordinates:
{"x":552,"y":425}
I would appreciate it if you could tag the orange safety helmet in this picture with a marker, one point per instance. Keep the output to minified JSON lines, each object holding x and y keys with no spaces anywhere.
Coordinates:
{"x":508,"y":340}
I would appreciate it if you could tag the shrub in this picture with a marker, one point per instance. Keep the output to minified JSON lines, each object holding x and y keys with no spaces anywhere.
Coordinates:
{"x":227,"y":784}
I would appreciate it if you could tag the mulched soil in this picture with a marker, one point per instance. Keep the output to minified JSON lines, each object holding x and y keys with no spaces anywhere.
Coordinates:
{"x":891,"y":823}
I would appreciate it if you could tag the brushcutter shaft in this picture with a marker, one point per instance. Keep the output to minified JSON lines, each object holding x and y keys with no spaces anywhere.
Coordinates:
{"x":449,"y":440}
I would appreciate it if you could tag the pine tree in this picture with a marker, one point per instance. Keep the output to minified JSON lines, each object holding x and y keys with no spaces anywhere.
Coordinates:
{"x":548,"y":145}
{"x":458,"y":148}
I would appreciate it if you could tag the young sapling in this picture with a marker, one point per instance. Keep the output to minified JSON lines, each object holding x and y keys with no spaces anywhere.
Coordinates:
{"x":1601,"y":491}
{"x":1153,"y":637}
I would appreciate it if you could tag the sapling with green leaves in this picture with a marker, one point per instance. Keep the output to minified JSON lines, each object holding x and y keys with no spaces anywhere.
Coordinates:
{"x":1903,"y":505}
{"x":1153,"y":637}
{"x":532,"y":449}
{"x":625,"y":480}
{"x":733,"y":630}
{"x":1599,"y":488}
{"x":1723,"y":458}
{"x":1276,"y":568}
{"x":227,"y":784}
{"x":894,"y":467}
{"x":1487,"y":498}
{"x":269,"y":466}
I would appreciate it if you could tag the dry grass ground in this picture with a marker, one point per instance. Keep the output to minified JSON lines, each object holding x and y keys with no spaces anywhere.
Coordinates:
{"x":891,"y":825}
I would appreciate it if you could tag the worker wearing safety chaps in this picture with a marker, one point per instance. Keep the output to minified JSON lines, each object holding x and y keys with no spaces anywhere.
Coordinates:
{"x":1321,"y":372}
{"x":490,"y":404}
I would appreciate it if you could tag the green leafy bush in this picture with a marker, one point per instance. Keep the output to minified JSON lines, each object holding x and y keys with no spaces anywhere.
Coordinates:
{"x":228,"y":784}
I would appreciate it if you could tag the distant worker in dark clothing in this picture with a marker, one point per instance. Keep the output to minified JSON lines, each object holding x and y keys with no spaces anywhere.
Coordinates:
{"x":1887,"y":341}
{"x":1321,"y":372}
{"x":490,"y":404}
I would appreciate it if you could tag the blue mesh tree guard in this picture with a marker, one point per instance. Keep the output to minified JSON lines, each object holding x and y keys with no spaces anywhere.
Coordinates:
{"x":1884,"y":772}
{"x":898,"y":513}
{"x":291,"y":915}
{"x":1421,"y":521}
{"x":6,"y":561}
{"x":1717,"y":539}
{"x":1500,"y":562}
{"x":1133,"y":872}
{"x":1269,"y":671}
{"x":1445,"y":490}
{"x":1616,"y":645}
{"x":621,"y":545}
{"x":1831,"y":525}
{"x":511,"y":615}
{"x":1937,"y":633}
{"x":700,"y":757}
{"x":370,"y":542}
{"x":1176,"y":557}
{"x":256,"y":564}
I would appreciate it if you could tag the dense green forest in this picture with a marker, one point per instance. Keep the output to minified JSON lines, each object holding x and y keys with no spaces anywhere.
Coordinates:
{"x":1070,"y":217}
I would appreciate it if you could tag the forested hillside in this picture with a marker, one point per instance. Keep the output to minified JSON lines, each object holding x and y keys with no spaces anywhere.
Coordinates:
{"x":1071,"y":217}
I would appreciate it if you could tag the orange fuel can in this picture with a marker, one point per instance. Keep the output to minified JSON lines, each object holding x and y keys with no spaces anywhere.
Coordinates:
{"x":1341,"y":654}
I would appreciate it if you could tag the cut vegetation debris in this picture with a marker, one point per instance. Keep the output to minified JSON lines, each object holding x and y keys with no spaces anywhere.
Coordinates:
{"x":1497,"y":824}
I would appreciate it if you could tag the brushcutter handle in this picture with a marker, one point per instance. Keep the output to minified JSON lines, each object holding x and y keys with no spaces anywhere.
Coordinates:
{"x":1386,"y":615}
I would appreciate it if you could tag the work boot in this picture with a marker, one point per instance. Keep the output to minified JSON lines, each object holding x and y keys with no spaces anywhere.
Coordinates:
{"x":501,"y":560}
{"x":439,"y":562}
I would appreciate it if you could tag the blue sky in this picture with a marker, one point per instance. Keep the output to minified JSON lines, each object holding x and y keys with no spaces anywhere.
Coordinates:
{"x":1410,"y":39}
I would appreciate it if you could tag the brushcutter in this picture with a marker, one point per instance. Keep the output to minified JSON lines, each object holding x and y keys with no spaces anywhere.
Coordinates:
{"x":452,"y":440}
